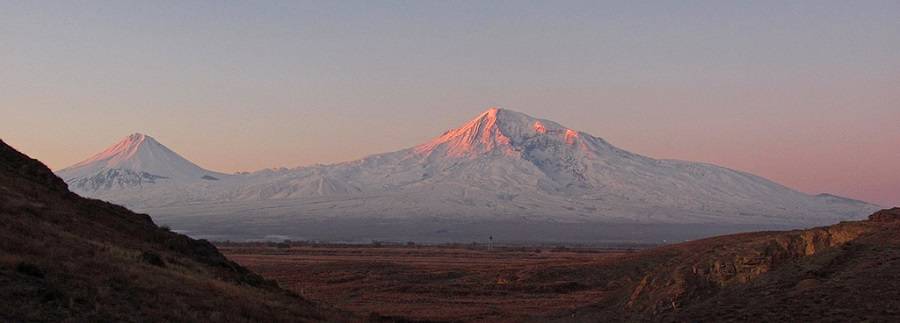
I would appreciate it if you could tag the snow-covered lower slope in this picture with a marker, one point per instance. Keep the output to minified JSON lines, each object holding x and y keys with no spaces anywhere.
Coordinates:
{"x":502,"y":165}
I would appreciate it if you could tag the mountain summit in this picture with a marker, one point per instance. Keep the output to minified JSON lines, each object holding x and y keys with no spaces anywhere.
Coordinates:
{"x":506,"y":132}
{"x":135,"y":160}
{"x":500,"y":166}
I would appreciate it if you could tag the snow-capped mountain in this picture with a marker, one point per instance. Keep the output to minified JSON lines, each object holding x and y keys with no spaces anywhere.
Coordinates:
{"x":136,"y":161}
{"x":502,"y":165}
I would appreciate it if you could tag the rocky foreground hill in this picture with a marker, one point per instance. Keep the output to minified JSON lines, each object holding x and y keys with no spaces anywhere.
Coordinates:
{"x":67,"y":258}
{"x":848,"y":272}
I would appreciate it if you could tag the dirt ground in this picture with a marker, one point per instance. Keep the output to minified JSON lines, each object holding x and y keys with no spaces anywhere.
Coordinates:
{"x":847,"y":272}
{"x":430,"y":282}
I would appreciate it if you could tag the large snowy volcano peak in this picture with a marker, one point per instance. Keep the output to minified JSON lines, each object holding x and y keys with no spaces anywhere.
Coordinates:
{"x":506,"y":132}
{"x":139,"y":156}
{"x":500,"y":165}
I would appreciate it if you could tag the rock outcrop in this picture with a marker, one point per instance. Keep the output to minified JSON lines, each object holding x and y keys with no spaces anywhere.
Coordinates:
{"x":845,"y":272}
{"x":890,"y":215}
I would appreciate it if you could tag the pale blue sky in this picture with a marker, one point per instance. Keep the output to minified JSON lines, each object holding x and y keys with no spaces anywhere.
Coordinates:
{"x":803,"y":92}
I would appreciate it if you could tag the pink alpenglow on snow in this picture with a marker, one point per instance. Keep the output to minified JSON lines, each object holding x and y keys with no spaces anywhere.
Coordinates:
{"x":498,"y":166}
{"x":496,"y":130}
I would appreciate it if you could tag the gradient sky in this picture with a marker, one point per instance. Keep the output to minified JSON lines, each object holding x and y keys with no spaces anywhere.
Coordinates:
{"x":806,"y":93}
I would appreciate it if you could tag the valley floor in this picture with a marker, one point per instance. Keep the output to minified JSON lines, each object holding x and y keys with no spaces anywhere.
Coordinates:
{"x":430,"y":282}
{"x":848,"y":272}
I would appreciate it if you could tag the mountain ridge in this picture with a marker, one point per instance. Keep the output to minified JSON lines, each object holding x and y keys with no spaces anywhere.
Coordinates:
{"x":500,"y":165}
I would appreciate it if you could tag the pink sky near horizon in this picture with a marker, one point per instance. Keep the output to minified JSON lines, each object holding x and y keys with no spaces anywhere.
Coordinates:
{"x":863,"y":165}
{"x":806,"y":94}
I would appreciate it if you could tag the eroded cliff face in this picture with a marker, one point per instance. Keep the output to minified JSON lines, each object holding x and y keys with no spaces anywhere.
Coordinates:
{"x":699,"y":270}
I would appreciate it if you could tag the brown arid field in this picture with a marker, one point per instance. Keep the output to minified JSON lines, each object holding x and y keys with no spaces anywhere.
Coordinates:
{"x":845,"y":272}
{"x":430,"y":282}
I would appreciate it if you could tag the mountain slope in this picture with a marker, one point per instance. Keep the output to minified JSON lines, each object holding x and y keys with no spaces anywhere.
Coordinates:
{"x":505,"y":163}
{"x":502,"y":165}
{"x":66,"y":258}
{"x":134,"y":161}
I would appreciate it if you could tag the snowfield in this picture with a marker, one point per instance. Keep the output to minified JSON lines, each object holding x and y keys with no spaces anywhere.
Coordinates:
{"x":501,"y":166}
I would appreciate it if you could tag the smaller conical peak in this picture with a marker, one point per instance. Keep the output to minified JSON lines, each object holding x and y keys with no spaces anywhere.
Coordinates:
{"x":139,"y":153}
{"x":133,"y":139}
{"x":137,"y":136}
{"x":125,"y":149}
{"x":131,"y":143}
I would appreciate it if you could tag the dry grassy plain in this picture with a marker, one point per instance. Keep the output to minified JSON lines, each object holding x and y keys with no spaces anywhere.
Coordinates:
{"x":430,"y":282}
{"x":847,"y":272}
